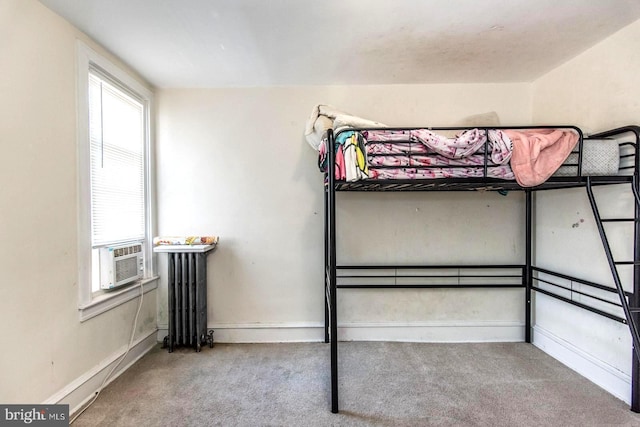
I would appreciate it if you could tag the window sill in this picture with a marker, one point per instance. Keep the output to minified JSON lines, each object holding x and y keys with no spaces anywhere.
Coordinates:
{"x":113,"y":299}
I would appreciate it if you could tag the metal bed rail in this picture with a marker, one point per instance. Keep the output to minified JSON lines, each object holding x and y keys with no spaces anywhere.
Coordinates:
{"x":411,"y":154}
{"x":628,"y":161}
{"x":429,"y":276}
{"x":594,"y":297}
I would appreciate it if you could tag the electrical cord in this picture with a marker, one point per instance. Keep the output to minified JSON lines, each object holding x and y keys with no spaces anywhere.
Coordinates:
{"x":104,"y":381}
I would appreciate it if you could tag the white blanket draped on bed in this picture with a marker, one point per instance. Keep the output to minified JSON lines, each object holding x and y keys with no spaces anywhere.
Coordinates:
{"x":325,"y":117}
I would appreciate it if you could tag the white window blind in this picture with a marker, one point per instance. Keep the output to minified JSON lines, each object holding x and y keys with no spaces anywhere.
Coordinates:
{"x":117,"y":135}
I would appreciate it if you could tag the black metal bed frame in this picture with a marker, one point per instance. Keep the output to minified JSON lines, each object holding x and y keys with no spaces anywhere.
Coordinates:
{"x":526,"y":275}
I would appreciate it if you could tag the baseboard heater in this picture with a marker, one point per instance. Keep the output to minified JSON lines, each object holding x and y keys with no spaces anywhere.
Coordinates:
{"x":187,"y":291}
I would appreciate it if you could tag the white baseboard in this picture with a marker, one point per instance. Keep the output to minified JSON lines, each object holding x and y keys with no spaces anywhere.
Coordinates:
{"x":80,"y":391}
{"x":494,"y":331}
{"x":446,"y":331}
{"x":604,"y":375}
{"x":260,"y":332}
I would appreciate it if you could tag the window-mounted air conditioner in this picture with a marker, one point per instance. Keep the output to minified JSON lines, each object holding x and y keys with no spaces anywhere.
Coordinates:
{"x":120,"y":265}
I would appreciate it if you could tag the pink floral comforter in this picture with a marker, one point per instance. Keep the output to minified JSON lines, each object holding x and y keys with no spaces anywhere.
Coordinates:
{"x":423,"y":154}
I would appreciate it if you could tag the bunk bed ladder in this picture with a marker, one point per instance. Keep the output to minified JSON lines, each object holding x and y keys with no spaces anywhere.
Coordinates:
{"x":631,"y":313}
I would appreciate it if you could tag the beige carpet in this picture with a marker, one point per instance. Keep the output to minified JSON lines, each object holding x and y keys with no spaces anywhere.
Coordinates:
{"x":381,"y":384}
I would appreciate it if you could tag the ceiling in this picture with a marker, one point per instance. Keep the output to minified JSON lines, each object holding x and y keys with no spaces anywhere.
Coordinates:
{"x":220,"y":43}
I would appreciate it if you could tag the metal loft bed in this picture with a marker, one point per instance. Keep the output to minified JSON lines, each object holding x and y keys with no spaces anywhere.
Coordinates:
{"x":624,"y":307}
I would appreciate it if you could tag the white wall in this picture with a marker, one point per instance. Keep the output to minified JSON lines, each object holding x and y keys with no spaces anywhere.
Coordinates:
{"x":45,"y":347}
{"x":597,"y":90}
{"x":233,"y":162}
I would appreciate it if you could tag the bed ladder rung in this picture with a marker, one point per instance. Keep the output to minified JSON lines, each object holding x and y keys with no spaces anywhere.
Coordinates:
{"x":619,"y":219}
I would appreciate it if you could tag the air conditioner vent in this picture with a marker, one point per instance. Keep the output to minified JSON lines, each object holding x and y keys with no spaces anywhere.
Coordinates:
{"x":127,"y":250}
{"x":120,"y":265}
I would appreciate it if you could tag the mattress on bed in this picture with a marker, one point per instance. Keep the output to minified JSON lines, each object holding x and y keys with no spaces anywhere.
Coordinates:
{"x":600,"y":157}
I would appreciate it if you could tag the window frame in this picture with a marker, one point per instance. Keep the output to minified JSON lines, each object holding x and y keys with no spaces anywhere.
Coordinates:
{"x":91,"y":304}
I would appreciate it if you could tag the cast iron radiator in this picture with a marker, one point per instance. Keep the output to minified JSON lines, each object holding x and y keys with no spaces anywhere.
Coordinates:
{"x":187,"y":291}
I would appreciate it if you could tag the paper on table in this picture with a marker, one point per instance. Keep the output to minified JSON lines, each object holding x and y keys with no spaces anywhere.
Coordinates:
{"x":185,"y":240}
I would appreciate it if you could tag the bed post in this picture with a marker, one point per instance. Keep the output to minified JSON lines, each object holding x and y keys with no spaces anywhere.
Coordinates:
{"x":528,"y":271}
{"x":635,"y":302}
{"x":635,"y":297}
{"x":325,"y":269}
{"x":333,"y":319}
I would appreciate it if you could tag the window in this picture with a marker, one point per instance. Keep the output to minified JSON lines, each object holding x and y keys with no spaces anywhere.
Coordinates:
{"x":117,"y":162}
{"x":114,"y":163}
